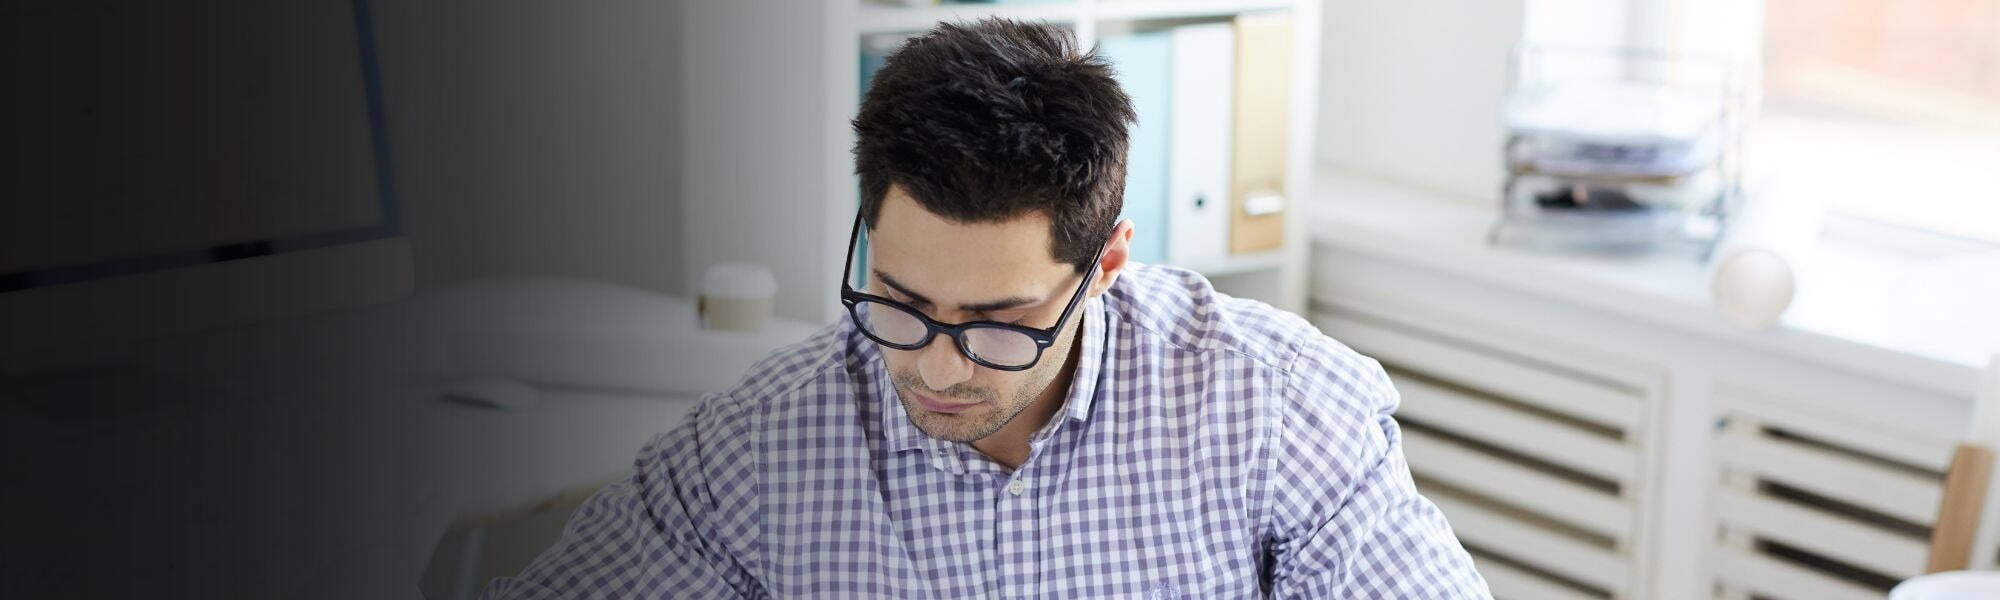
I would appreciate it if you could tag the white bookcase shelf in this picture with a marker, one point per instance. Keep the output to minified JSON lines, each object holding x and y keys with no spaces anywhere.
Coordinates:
{"x":873,"y":18}
{"x":877,"y":17}
{"x":1239,"y":264}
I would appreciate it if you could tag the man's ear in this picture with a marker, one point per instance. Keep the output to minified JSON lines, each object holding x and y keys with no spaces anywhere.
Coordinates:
{"x":1116,"y":255}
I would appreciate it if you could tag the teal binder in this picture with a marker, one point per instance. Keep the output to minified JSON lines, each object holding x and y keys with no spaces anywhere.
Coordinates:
{"x":875,"y":50}
{"x":1142,"y":62}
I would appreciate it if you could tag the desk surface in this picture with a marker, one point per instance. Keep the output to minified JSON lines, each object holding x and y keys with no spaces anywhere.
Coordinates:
{"x":315,"y":457}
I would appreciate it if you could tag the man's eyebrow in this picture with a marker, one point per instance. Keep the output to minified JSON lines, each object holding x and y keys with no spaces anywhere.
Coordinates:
{"x":978,"y":307}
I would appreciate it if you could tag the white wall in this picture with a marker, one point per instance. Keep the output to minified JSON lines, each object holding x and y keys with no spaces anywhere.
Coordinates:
{"x":536,"y":137}
{"x":1586,"y":22}
{"x":1411,"y":90}
{"x":758,"y":145}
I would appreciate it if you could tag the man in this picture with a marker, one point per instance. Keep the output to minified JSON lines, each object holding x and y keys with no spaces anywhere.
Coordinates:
{"x":1012,"y":409}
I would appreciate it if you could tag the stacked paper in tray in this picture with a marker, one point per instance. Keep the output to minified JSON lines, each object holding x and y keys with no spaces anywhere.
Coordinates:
{"x":1614,"y":129}
{"x":1618,"y":162}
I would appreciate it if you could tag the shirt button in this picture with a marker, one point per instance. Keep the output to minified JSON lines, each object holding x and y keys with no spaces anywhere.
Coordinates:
{"x":1017,"y":487}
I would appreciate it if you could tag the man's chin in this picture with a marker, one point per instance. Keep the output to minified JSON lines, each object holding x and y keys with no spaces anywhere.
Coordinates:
{"x":969,"y":426}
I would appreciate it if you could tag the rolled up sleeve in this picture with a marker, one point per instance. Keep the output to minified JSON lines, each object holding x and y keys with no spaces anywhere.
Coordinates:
{"x":1346,"y":519}
{"x":675,"y":529}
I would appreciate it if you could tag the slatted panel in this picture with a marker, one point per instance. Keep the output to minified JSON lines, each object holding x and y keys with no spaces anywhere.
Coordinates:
{"x":1478,"y":524}
{"x":1520,"y":486}
{"x":1775,"y":578}
{"x":1517,"y":431}
{"x":1509,"y":583}
{"x":1815,"y":507}
{"x":1894,"y":492}
{"x":1898,"y":556}
{"x":1926,"y":452}
{"x":1535,"y":463}
{"x":1510,"y":378}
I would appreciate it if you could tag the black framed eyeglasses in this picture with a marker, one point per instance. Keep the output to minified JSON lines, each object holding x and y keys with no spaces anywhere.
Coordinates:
{"x":991,"y":344}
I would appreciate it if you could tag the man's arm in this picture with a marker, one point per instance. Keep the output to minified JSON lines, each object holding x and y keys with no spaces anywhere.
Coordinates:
{"x":1345,"y":519}
{"x":671,"y":531}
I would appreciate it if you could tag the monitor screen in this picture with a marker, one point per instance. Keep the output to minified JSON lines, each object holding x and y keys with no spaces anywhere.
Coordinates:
{"x":155,"y":135}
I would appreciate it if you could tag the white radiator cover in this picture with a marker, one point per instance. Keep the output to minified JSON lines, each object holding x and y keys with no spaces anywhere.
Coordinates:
{"x":1734,"y":437}
{"x":1536,"y":453}
{"x":1813,"y":506}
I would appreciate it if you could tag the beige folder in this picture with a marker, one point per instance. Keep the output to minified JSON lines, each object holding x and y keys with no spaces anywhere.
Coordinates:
{"x":1263,"y":95}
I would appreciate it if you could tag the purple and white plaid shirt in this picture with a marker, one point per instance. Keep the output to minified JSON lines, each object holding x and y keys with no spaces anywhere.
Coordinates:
{"x":1210,"y":447}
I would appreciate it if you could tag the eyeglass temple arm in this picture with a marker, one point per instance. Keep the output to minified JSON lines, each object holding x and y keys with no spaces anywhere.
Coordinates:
{"x":847,"y":260}
{"x":1085,"y":286}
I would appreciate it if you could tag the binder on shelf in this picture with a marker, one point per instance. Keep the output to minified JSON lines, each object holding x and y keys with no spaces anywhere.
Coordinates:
{"x":1141,"y":61}
{"x":1198,"y":188}
{"x":875,"y":51}
{"x":1263,"y":91}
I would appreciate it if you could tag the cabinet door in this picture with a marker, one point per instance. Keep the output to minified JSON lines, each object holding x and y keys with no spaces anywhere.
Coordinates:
{"x":1535,"y":452}
{"x":1815,"y":504}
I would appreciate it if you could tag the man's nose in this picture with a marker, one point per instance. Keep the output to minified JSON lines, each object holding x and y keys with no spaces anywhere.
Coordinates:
{"x":942,"y":365}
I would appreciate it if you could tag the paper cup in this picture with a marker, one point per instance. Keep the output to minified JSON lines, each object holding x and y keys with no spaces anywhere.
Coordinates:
{"x":736,"y":297}
{"x":1949,"y":585}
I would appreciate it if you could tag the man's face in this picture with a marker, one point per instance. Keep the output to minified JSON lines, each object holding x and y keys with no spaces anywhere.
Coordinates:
{"x":960,"y":272}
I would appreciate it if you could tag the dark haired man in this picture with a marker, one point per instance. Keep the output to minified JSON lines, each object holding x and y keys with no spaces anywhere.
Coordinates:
{"x":1013,"y":409}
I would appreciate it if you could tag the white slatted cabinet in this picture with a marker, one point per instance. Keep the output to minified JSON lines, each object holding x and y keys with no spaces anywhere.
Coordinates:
{"x":1534,"y":452}
{"x":1819,"y":505}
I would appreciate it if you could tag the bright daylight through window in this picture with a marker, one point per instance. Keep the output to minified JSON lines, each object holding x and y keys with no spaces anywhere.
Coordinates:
{"x":1896,"y":103}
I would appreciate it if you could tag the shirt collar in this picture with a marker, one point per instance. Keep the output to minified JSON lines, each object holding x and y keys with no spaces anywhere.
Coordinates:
{"x":1090,"y":362}
{"x":896,"y":426}
{"x":902,"y":435}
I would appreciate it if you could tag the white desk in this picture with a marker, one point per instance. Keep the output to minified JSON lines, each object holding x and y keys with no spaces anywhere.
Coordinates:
{"x":315,"y":458}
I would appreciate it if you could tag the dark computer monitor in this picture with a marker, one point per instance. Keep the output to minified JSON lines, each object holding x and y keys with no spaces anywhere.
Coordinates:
{"x":184,"y":165}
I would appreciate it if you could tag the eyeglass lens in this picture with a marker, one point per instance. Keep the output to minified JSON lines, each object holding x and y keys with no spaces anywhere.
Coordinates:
{"x":995,"y":345}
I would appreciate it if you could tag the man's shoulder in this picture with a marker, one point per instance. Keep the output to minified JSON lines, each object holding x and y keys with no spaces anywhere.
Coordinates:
{"x":1321,"y":373}
{"x":792,"y":370}
{"x":1186,"y":312}
{"x":793,"y":365}
{"x":799,"y":385}
{"x":801,"y":397}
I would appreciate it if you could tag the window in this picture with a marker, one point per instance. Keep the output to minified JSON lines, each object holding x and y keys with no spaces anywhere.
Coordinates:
{"x":1896,"y":103}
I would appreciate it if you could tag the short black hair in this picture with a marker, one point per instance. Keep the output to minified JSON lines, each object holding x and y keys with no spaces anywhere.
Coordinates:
{"x":986,"y":121}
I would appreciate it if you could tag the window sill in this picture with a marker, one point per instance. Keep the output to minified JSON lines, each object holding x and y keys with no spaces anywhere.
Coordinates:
{"x":1928,"y":319}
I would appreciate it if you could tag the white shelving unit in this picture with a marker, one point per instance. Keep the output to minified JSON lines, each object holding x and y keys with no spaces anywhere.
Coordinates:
{"x":802,"y":60}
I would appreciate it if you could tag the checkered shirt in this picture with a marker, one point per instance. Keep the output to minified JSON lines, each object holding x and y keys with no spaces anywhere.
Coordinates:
{"x":1209,"y":447}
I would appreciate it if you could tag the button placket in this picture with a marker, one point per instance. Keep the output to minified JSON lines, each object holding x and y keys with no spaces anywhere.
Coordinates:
{"x":1019,"y":544}
{"x":1020,"y":519}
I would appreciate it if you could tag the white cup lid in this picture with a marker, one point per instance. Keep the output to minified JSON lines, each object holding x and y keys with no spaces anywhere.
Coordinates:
{"x":743,"y":281}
